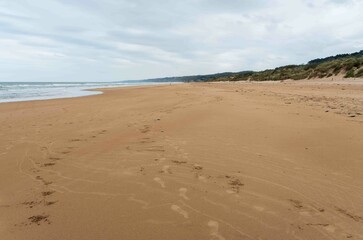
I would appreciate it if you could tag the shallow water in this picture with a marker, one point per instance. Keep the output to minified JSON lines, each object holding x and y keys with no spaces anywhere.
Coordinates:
{"x":26,"y":91}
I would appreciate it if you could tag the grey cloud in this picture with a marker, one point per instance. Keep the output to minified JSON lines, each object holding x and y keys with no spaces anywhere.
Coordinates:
{"x":77,"y":40}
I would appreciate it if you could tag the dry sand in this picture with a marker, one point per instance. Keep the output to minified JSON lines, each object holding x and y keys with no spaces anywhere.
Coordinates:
{"x":189,"y":161}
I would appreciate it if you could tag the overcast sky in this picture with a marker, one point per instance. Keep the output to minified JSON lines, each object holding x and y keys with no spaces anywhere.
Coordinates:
{"x":111,"y":40}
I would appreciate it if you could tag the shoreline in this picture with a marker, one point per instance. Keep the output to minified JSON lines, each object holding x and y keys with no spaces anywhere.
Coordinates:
{"x":186,"y":161}
{"x":98,"y":91}
{"x":80,"y":92}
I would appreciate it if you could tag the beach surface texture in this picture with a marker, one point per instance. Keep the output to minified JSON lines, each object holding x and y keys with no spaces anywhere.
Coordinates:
{"x":272,"y":160}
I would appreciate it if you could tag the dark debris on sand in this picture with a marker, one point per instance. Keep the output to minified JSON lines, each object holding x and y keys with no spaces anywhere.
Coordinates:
{"x":38,"y":219}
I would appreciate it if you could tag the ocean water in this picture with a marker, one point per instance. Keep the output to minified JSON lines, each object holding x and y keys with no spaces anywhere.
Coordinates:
{"x":26,"y":91}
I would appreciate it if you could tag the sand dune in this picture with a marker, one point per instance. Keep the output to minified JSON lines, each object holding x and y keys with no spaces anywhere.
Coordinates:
{"x":189,"y":161}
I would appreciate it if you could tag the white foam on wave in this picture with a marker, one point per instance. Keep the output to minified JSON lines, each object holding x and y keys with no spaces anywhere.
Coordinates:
{"x":22,"y":91}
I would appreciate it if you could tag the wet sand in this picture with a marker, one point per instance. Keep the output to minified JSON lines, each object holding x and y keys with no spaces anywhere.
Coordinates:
{"x":191,"y":161}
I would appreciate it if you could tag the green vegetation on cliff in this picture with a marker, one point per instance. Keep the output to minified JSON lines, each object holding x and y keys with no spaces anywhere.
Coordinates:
{"x":350,"y":65}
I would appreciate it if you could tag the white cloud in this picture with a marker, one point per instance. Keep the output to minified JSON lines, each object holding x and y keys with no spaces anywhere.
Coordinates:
{"x":77,"y":40}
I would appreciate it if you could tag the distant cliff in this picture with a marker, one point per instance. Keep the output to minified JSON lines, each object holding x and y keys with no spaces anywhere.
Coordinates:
{"x":348,"y":65}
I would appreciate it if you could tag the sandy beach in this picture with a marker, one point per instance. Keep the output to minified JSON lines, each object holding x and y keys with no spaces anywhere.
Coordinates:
{"x":272,"y":160}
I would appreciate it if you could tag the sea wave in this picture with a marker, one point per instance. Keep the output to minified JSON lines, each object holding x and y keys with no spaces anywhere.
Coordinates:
{"x":26,"y":91}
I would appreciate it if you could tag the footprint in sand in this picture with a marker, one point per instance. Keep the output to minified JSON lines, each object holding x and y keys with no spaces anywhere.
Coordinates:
{"x":329,"y":228}
{"x":161,"y":182}
{"x":183,"y":193}
{"x":202,"y":178}
{"x":214,"y":230}
{"x":166,"y":169}
{"x":259,"y":208}
{"x":197,"y":167}
{"x":177,"y":209}
{"x":230,"y":191}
